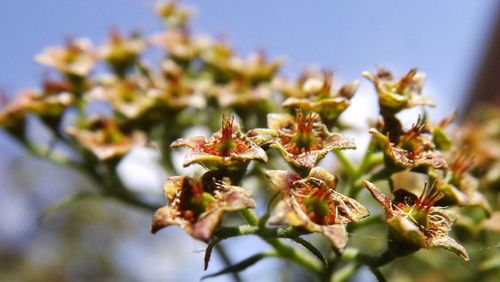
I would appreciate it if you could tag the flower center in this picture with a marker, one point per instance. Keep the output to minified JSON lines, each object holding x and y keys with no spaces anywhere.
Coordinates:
{"x":304,"y":137}
{"x":108,"y":131}
{"x":194,"y":201}
{"x":317,"y":204}
{"x":419,"y":209}
{"x":226,"y":144}
{"x":72,"y":52}
{"x":410,"y":141}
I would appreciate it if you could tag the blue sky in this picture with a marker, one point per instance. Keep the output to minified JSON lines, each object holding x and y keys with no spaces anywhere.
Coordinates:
{"x":442,"y":38}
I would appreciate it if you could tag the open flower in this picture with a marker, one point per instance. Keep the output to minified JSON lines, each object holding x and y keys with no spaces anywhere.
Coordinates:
{"x":255,"y":68}
{"x":198,"y":206}
{"x":122,"y":53}
{"x":228,"y":149}
{"x":296,"y":88}
{"x":414,"y":222}
{"x":440,"y":136}
{"x":458,"y":185}
{"x":128,"y":97}
{"x":398,"y":94}
{"x":48,"y":103}
{"x":14,"y":112}
{"x":480,"y":137}
{"x":105,"y":139}
{"x":242,"y":96}
{"x":304,"y":140}
{"x":313,"y":203}
{"x":413,"y":148}
{"x":172,"y":14}
{"x":320,"y":98}
{"x":75,"y":59}
{"x":216,"y":56}
{"x":174,"y":90}
{"x":179,"y":44}
{"x":51,"y":102}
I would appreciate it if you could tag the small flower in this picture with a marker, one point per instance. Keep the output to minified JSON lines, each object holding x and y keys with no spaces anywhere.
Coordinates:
{"x":240,"y":96}
{"x":48,"y":103}
{"x":304,"y":140}
{"x":255,"y":69}
{"x":179,"y":44}
{"x":398,"y":94}
{"x":414,"y":222}
{"x":172,"y":14}
{"x":320,"y":98}
{"x":313,"y":203}
{"x":14,"y":112}
{"x":228,"y":149}
{"x":458,"y":185}
{"x":480,"y":138}
{"x":442,"y":141}
{"x":105,"y":139}
{"x":122,"y":53}
{"x":75,"y":59}
{"x":198,"y":206}
{"x":51,"y":102}
{"x":216,"y":56}
{"x":297,"y":88}
{"x":128,"y":97}
{"x":413,"y":148}
{"x":174,"y":91}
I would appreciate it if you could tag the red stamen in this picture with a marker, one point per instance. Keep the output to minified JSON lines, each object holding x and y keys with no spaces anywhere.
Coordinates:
{"x":406,"y":80}
{"x":327,"y":82}
{"x":227,"y":127}
{"x":305,"y":124}
{"x":462,"y":163}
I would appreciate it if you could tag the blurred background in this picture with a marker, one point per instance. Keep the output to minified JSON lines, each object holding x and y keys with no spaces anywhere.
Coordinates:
{"x":456,"y":43}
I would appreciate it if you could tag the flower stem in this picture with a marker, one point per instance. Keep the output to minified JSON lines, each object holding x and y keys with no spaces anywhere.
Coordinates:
{"x":351,"y":170}
{"x":295,"y":256}
{"x":365,"y":162}
{"x":282,"y":249}
{"x":345,"y":273}
{"x":250,"y":216}
{"x":369,"y":260}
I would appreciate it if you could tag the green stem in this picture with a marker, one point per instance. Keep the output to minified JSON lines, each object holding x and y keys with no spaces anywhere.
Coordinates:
{"x":365,"y":162}
{"x":282,"y":250}
{"x":369,"y":260}
{"x":360,"y":259}
{"x":38,"y":152}
{"x":298,"y":257}
{"x":378,"y":274}
{"x":242,"y":230}
{"x":345,"y":273}
{"x":351,"y":170}
{"x":368,"y":161}
{"x":250,"y":216}
{"x":116,"y":188}
{"x":365,"y":222}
